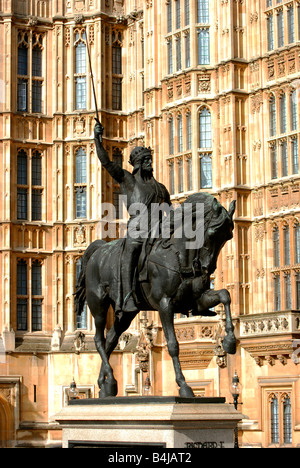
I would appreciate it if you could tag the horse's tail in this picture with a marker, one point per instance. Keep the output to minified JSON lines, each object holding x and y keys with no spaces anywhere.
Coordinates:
{"x":80,"y":292}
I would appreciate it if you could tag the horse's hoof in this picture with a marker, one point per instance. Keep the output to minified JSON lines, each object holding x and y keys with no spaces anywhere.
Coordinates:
{"x":229,"y":344}
{"x":186,"y":392}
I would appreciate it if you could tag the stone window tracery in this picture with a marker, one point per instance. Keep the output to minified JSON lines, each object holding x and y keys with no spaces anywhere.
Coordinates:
{"x":29,"y":185}
{"x":205,"y":148}
{"x":80,"y":183}
{"x":80,"y":75}
{"x":30,"y":72}
{"x":29,"y":295}
{"x":285,"y":264}
{"x":284,"y":140}
{"x":280,"y":417}
{"x":280,"y":17}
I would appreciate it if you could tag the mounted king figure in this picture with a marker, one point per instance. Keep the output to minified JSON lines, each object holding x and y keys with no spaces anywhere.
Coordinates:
{"x":140,"y":188}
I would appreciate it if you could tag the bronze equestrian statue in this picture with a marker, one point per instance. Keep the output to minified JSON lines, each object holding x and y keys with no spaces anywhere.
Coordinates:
{"x":165,"y":276}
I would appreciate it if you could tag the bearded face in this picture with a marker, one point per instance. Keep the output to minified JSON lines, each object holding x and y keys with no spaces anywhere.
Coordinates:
{"x":147,"y":164}
{"x":141,"y":158}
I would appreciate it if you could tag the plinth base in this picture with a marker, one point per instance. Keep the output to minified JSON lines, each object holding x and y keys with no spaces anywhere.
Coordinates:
{"x":169,"y":422}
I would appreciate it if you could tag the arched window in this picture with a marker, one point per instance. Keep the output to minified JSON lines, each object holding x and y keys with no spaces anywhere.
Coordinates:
{"x":291,"y":24}
{"x":284,"y":159}
{"x":80,"y":166}
{"x":274,"y":420}
{"x":170,"y":57}
{"x":277,"y":293}
{"x":180,"y":175}
{"x":36,"y":74}
{"x":22,"y":168}
{"x":294,"y":110}
{"x":280,"y":411}
{"x":287,"y":420}
{"x":80,"y":183}
{"x":203,"y":11}
{"x":295,"y":155}
{"x":117,"y":58}
{"x":274,"y":161}
{"x":280,"y":28}
{"x":283,"y":120}
{"x":36,"y":168}
{"x":206,"y":171}
{"x":117,"y":71}
{"x":171,"y":135}
{"x":36,"y":292}
{"x":204,"y":46}
{"x":23,"y":56}
{"x":29,"y":295}
{"x":180,"y":134}
{"x":287,"y":245}
{"x":272,"y":109}
{"x":288,"y":291}
{"x":189,"y":131}
{"x":80,"y":70}
{"x":276,"y":247}
{"x":169,"y":17}
{"x":171,"y":177}
{"x":178,"y":54}
{"x":205,"y":129}
{"x":22,"y":185}
{"x":187,"y":12}
{"x":36,"y":171}
{"x":178,"y":14}
{"x":270,"y":32}
{"x":189,"y":163}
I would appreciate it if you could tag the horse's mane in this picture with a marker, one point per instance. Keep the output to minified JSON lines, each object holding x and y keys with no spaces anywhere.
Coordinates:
{"x":211,"y":206}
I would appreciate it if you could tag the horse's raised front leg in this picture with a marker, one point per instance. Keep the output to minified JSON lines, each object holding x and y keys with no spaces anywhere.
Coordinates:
{"x":229,"y":342}
{"x":167,"y":320}
{"x":213,"y":298}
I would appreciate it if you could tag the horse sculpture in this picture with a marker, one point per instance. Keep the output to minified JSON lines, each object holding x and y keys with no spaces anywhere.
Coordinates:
{"x":178,"y":281}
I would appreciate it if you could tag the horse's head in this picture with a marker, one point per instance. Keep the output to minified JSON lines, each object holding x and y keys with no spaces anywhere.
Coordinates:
{"x":218,"y":230}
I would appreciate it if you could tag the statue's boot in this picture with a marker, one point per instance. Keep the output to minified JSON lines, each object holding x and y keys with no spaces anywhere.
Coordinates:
{"x":129,"y":304}
{"x":128,"y":268}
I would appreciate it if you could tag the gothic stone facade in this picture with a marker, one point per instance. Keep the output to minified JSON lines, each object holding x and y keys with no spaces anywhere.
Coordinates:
{"x":213,"y":88}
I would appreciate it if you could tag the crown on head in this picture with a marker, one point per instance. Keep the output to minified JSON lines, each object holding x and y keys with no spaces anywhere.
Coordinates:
{"x":138,"y":153}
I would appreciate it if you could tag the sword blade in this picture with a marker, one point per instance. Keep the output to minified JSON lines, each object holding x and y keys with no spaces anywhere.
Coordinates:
{"x":92,"y":78}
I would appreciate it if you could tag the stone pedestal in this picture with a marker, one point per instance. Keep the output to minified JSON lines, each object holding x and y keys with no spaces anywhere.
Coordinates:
{"x":168,"y":422}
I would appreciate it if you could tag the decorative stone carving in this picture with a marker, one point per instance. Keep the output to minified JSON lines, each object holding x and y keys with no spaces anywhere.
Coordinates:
{"x":143,"y":353}
{"x":267,"y":324}
{"x":80,"y":126}
{"x":80,"y":235}
{"x":204,"y":84}
{"x":221,"y":355}
{"x":79,"y":342}
{"x":185,"y":334}
{"x":79,"y":19}
{"x":33,"y":21}
{"x":56,"y":339}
